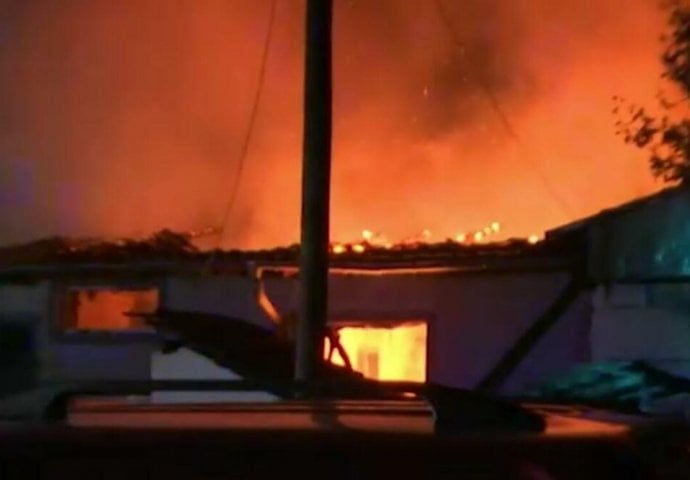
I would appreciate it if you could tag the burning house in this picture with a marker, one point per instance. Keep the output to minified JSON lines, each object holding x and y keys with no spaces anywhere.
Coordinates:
{"x":502,"y":316}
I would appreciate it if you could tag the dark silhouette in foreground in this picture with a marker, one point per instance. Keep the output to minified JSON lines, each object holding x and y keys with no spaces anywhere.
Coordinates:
{"x":260,"y":354}
{"x":249,"y":350}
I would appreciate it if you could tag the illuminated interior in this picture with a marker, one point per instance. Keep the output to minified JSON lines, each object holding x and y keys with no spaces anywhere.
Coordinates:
{"x":396,"y":352}
{"x":106,"y":309}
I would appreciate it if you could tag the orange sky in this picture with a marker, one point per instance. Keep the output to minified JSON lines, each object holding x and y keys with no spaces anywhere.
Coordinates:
{"x":121,"y":118}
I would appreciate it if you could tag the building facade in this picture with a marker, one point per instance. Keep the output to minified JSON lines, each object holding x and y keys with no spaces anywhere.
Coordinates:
{"x":446,"y":313}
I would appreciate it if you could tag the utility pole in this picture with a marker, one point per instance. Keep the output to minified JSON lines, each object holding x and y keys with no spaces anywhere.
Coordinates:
{"x":316,"y":179}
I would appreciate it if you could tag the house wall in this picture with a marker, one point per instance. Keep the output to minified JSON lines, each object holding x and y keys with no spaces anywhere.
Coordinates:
{"x":27,"y":304}
{"x":649,"y":240}
{"x":223,"y":295}
{"x":74,"y":356}
{"x":185,"y":364}
{"x":99,"y":355}
{"x":31,"y":299}
{"x":115,"y":356}
{"x":473,"y":319}
{"x":643,"y":322}
{"x":632,"y":252}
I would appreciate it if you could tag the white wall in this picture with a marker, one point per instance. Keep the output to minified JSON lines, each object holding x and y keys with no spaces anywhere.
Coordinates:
{"x":99,"y":360}
{"x":31,"y":298}
{"x":231,"y":296}
{"x":31,"y":303}
{"x":75,"y":357}
{"x":626,"y":326}
{"x":473,"y":319}
{"x":185,"y":364}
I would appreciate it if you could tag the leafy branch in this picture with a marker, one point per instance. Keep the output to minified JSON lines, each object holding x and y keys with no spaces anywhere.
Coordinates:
{"x":666,"y":138}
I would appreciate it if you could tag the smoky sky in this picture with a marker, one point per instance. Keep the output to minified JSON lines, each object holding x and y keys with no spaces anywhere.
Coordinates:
{"x":122,"y":118}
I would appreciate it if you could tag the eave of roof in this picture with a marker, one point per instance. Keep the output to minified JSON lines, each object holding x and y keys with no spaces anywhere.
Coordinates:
{"x":121,"y":260}
{"x":634,"y":204}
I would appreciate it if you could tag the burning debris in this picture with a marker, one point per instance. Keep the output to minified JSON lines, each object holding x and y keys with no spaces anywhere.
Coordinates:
{"x":374,"y":241}
{"x":164,"y":244}
{"x":373,"y":248}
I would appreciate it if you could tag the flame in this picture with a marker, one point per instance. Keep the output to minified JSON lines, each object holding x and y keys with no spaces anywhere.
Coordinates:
{"x":397,"y":353}
{"x":358,"y":248}
{"x":540,"y":181}
{"x":378,"y":240}
{"x":105,"y":309}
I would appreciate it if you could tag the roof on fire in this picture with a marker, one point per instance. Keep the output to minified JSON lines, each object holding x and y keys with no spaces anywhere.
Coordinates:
{"x":170,"y":252}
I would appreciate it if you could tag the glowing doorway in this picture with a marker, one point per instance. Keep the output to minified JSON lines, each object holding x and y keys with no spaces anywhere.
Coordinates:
{"x":394,"y":352}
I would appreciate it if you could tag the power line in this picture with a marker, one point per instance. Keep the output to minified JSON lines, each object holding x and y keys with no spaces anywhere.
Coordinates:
{"x":250,"y":125}
{"x":500,"y":113}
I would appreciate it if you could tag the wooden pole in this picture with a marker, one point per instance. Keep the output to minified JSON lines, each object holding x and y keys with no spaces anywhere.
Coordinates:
{"x":316,"y":173}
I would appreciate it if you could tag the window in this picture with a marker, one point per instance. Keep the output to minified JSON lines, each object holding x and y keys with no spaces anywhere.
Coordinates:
{"x":390,"y":351}
{"x":94,"y":309}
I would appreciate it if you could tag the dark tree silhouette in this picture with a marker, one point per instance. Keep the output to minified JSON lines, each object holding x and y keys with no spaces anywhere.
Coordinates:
{"x":666,"y":136}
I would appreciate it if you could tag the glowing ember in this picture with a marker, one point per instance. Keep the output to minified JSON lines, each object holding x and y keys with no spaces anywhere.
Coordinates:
{"x":105,"y":309}
{"x":358,"y":248}
{"x":372,"y":239}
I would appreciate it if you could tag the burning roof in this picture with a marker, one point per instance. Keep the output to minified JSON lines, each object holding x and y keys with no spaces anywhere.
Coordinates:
{"x":56,"y":250}
{"x":168,"y":250}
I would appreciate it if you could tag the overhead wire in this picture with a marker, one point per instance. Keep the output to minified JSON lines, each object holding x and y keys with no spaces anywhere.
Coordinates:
{"x":502,"y":116}
{"x":251,"y":124}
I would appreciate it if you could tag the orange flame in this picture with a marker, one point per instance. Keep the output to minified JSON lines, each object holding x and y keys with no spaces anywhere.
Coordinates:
{"x":358,"y":248}
{"x":371,"y":239}
{"x":397,"y":353}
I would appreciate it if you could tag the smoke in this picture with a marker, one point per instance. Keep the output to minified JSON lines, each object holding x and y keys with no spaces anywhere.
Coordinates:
{"x":121,"y":118}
